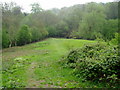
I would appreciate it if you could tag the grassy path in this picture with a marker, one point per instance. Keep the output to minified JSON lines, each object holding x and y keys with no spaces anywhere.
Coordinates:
{"x":49,"y":73}
{"x":31,"y":82}
{"x":44,"y":71}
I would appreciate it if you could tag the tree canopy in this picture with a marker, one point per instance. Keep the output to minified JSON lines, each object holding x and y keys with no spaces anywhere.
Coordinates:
{"x":85,"y":21}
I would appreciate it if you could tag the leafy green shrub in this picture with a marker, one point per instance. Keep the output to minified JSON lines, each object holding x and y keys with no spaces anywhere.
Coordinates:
{"x":24,"y":36}
{"x":5,"y":39}
{"x":96,"y":62}
{"x":115,"y":40}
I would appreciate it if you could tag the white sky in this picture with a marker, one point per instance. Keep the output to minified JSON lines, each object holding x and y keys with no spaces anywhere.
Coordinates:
{"x":48,"y":4}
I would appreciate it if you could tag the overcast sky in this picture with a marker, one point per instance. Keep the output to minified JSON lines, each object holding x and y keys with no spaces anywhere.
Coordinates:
{"x":48,"y":4}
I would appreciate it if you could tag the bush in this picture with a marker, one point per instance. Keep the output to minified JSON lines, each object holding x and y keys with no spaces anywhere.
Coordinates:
{"x":96,"y":62}
{"x":115,"y":41}
{"x":5,"y":39}
{"x":24,"y":36}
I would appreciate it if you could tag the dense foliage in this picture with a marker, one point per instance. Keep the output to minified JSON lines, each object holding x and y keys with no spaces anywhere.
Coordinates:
{"x":97,"y":62}
{"x":5,"y":40}
{"x":24,"y":36}
{"x":86,"y":21}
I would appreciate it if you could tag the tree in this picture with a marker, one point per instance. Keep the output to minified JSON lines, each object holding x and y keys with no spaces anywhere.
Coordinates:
{"x":52,"y":32}
{"x":5,"y":40}
{"x":36,"y":8}
{"x":36,"y":35}
{"x":111,"y":10}
{"x":24,"y":36}
{"x":110,"y":27}
{"x":35,"y":23}
{"x":11,"y":18}
{"x":92,"y":23}
{"x":116,"y":40}
{"x":48,"y":18}
{"x":62,"y":29}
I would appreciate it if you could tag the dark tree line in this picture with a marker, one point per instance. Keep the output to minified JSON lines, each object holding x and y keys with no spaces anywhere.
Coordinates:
{"x":83,"y":21}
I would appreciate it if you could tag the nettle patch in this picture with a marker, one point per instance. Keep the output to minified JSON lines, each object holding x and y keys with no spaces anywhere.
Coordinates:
{"x":96,"y":62}
{"x":14,"y":76}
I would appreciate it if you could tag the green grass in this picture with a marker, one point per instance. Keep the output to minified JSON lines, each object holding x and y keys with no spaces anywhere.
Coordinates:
{"x":41,"y":68}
